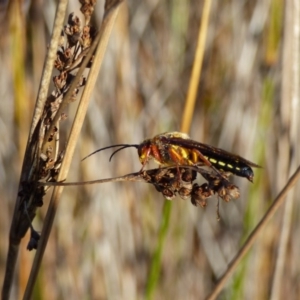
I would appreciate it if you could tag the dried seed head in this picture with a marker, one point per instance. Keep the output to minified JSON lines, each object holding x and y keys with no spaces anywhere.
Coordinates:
{"x":179,"y":181}
{"x":168,"y":194}
{"x":87,"y":8}
{"x":59,"y":62}
{"x":200,"y":194}
{"x":49,"y":151}
{"x":198,"y":202}
{"x":189,"y":175}
{"x":229,"y":192}
{"x":73,"y":29}
{"x":184,"y":193}
{"x":86,"y":39}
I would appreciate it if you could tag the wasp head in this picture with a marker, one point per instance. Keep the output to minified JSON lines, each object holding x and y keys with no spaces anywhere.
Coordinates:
{"x":144,"y":151}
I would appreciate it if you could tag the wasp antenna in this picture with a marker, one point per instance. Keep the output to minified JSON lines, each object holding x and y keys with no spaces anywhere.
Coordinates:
{"x":125,"y":146}
{"x":113,"y":146}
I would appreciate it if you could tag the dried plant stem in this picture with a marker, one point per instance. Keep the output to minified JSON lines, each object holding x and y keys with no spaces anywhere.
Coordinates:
{"x":42,"y":95}
{"x":196,"y":72}
{"x":128,"y":177}
{"x":49,"y":63}
{"x":101,"y":38}
{"x":254,"y":235}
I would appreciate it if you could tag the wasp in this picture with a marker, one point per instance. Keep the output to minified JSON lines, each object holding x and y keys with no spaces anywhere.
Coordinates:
{"x":178,"y":149}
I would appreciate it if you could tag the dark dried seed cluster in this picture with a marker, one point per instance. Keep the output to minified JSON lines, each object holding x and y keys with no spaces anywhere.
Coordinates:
{"x":34,"y":239}
{"x":29,"y":189}
{"x":179,"y":181}
{"x":216,"y":185}
{"x":87,"y":8}
{"x":76,"y":39}
{"x":74,"y":43}
{"x":171,"y":181}
{"x":49,"y":167}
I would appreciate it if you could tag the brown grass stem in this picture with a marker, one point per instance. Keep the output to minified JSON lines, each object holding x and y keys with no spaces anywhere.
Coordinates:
{"x":254,"y":235}
{"x":196,"y":71}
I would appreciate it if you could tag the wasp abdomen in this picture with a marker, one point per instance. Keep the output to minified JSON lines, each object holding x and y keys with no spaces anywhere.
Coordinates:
{"x":237,"y":168}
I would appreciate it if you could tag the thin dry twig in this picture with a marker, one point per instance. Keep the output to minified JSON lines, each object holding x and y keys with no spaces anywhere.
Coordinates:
{"x":176,"y":180}
{"x":254,"y":235}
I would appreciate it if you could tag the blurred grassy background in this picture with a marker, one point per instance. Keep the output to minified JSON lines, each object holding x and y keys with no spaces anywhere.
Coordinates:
{"x":104,"y":236}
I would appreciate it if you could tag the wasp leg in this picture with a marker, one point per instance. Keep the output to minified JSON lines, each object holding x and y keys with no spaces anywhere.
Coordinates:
{"x":196,"y":154}
{"x":178,"y":160}
{"x":147,"y":156}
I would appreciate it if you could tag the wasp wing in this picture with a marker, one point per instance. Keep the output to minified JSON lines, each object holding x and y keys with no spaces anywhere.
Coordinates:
{"x":210,"y":151}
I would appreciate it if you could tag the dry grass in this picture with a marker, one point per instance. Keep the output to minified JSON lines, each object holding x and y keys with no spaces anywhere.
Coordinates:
{"x":104,"y":237}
